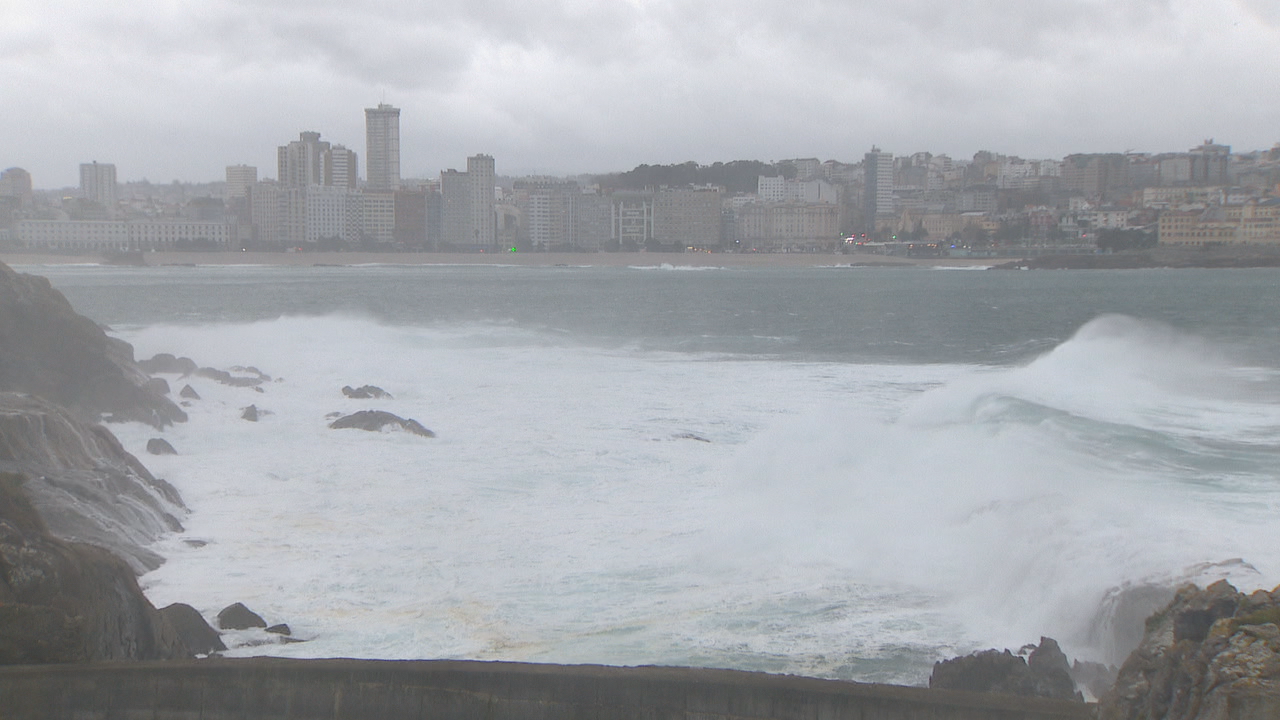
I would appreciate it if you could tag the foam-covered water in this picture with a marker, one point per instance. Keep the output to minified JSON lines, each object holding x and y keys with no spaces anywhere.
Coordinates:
{"x":707,"y":468}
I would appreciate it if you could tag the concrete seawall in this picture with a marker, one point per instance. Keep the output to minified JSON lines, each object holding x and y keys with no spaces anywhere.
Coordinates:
{"x":279,"y":689}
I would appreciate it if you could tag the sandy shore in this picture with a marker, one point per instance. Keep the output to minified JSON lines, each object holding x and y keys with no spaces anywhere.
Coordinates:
{"x":156,"y":259}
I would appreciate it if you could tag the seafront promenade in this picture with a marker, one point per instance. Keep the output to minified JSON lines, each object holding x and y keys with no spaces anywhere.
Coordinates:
{"x":280,"y":689}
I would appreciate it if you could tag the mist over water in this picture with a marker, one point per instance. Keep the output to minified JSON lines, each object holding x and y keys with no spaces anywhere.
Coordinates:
{"x":754,"y":470}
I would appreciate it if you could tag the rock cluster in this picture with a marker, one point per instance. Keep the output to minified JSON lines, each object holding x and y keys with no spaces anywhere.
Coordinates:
{"x":366,"y":392}
{"x":1044,"y":673}
{"x":1211,"y":654}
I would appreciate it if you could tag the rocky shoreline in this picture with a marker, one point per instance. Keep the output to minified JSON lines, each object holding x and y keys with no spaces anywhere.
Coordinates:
{"x":78,"y":512}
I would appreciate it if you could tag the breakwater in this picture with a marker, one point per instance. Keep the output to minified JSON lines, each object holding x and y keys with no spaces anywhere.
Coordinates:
{"x":282,"y":689}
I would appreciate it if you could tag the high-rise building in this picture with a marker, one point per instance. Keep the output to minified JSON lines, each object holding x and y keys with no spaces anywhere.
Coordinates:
{"x":878,"y":189}
{"x":239,"y":180}
{"x":98,"y":183}
{"x":480,"y":176}
{"x":16,"y":183}
{"x":455,"y":210}
{"x":301,"y":162}
{"x":341,"y":167}
{"x":382,"y":147}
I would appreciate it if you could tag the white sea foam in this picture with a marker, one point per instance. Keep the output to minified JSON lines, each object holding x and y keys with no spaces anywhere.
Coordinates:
{"x":587,"y":505}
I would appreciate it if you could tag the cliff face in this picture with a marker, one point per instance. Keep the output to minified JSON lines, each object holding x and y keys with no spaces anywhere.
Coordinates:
{"x":77,"y":512}
{"x":1212,"y":654}
{"x":47,"y":349}
{"x":68,"y":602}
{"x":83,"y":483}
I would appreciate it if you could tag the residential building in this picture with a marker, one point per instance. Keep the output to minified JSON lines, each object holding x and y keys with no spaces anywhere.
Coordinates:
{"x":239,"y":179}
{"x":482,"y":181}
{"x":878,"y":186}
{"x":688,"y":217}
{"x":98,"y":184}
{"x":340,"y":167}
{"x":301,"y":162}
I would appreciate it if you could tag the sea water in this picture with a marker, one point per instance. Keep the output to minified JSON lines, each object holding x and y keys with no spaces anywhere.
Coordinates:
{"x":828,"y":471}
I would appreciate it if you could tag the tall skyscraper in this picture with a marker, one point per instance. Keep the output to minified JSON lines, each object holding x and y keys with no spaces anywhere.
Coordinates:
{"x":480,"y":176}
{"x":878,"y":186}
{"x":300,"y":163}
{"x":382,"y":147}
{"x":98,"y":183}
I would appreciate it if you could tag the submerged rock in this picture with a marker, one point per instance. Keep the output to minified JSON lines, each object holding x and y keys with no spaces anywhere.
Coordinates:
{"x":160,"y":446}
{"x":279,"y":629}
{"x":239,"y":617}
{"x":226,"y":378}
{"x":189,"y":393}
{"x":377,"y":420}
{"x":48,"y":349}
{"x":253,"y":413}
{"x":1045,"y":673}
{"x":366,"y":392}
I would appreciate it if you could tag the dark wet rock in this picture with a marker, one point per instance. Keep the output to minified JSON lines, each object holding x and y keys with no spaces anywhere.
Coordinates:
{"x":48,"y":349}
{"x":253,"y":413}
{"x":366,"y":392}
{"x":1211,"y":653}
{"x":1045,"y":673}
{"x":280,"y":629}
{"x":83,"y":482}
{"x":226,"y":378}
{"x":63,"y":602}
{"x":251,"y":370}
{"x":168,"y":364}
{"x":378,"y":420}
{"x":160,"y":446}
{"x":189,"y":393}
{"x":192,"y":630}
{"x":239,"y":617}
{"x":1093,"y":676}
{"x":159,"y":386}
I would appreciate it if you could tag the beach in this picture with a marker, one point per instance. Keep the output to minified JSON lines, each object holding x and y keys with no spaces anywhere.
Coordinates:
{"x":734,"y":260}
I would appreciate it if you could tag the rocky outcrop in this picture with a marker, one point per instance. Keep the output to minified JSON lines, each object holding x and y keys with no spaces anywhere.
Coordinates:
{"x":69,"y":602}
{"x":166,"y":363}
{"x":86,"y":487}
{"x":192,"y":630}
{"x":1211,"y":654}
{"x":160,"y":446}
{"x":239,"y":617}
{"x":47,"y":349}
{"x":378,"y":420}
{"x":188,"y":393}
{"x":366,"y":392}
{"x":1045,"y":673}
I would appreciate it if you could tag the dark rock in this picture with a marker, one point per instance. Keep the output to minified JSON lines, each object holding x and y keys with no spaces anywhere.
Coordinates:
{"x":83,"y":482}
{"x":690,"y":436}
{"x":189,"y":393}
{"x":160,"y":446}
{"x":1211,"y":653}
{"x":159,"y":386}
{"x":166,"y":363}
{"x":1093,"y":676}
{"x":239,"y":617}
{"x":252,"y":371}
{"x":250,"y":413}
{"x":376,"y":420}
{"x":47,"y":349}
{"x":226,"y":378}
{"x":1047,"y":674}
{"x":280,"y":629}
{"x":192,"y":630}
{"x":69,"y":602}
{"x":366,"y":392}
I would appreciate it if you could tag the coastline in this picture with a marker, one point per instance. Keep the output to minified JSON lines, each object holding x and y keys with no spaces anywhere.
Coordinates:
{"x":637,"y":259}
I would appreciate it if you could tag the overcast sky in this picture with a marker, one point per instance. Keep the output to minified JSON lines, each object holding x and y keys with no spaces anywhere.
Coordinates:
{"x":179,"y":89}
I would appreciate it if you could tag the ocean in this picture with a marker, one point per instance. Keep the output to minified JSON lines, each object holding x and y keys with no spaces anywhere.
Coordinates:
{"x":828,"y":471}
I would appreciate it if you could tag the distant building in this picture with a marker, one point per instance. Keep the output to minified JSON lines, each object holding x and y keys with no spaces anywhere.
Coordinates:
{"x":482,"y":180}
{"x":301,"y":162}
{"x":688,"y":217}
{"x":878,"y":186}
{"x":382,"y":147}
{"x":141,"y":234}
{"x":341,"y":168}
{"x":15,"y":184}
{"x":98,"y":184}
{"x":1253,"y":222}
{"x":239,"y":179}
{"x":1209,"y":164}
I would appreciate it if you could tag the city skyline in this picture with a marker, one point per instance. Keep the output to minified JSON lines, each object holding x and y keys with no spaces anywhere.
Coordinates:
{"x":179,"y":92}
